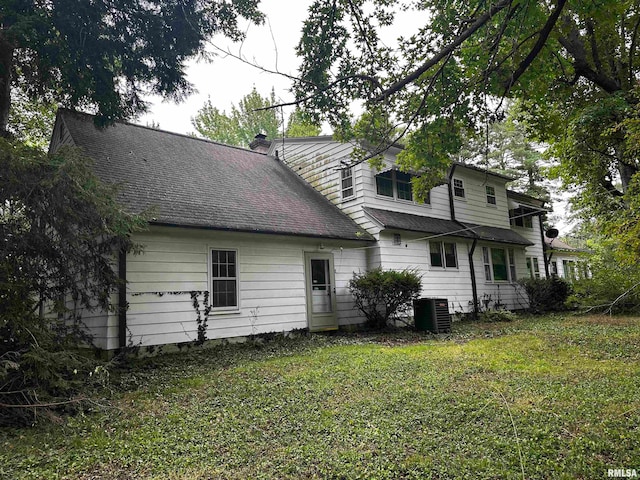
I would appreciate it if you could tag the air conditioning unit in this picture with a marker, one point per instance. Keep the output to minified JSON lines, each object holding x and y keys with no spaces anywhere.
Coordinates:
{"x":432,"y":315}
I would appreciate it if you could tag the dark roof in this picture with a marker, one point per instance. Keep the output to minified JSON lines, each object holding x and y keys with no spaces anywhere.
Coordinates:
{"x":438,"y":226}
{"x":524,"y":198}
{"x":198,"y":183}
{"x":483,"y":170}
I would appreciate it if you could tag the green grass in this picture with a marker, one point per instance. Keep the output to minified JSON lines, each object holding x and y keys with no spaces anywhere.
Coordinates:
{"x":536,"y":398}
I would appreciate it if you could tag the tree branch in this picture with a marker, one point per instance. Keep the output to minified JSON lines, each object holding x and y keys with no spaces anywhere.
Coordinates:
{"x":459,"y":40}
{"x":542,"y":40}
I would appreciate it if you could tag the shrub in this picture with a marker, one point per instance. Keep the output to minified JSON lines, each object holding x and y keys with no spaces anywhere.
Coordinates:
{"x":546,"y":294}
{"x":499,"y":315}
{"x":383,"y":295}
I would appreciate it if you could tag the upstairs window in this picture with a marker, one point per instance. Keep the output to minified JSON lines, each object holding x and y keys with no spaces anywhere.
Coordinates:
{"x":384,"y":184}
{"x":491,"y":194}
{"x":519,"y":217}
{"x":394,"y":184}
{"x":346,"y":176}
{"x":458,"y":188}
{"x":443,"y":254}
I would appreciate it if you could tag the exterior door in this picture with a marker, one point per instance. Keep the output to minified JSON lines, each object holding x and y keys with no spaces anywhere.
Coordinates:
{"x":321,"y":292}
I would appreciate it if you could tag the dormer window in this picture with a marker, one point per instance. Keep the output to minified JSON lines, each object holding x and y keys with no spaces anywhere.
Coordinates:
{"x":458,"y":188}
{"x":395,"y":184}
{"x":347,"y":182}
{"x":519,"y":217}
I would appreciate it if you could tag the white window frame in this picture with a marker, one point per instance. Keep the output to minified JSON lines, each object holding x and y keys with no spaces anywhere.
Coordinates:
{"x":512,"y":264}
{"x":397,"y":239}
{"x":347,"y":174}
{"x":442,"y":252}
{"x":229,"y":308}
{"x":518,"y":216}
{"x":533,"y":267}
{"x":490,"y":196}
{"x":487,"y":260}
{"x":459,"y":187}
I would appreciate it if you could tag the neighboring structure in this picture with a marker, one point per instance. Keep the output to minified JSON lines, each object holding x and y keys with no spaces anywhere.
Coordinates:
{"x":244,"y":242}
{"x":566,"y":261}
{"x":470,"y":241}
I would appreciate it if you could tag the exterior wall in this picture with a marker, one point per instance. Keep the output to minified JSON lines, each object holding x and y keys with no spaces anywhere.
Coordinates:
{"x":272,"y":287}
{"x":474,"y":207}
{"x":509,"y":294}
{"x":534,"y":235}
{"x":454,"y":284}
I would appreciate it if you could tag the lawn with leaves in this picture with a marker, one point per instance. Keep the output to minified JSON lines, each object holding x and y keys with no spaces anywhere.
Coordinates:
{"x":535,"y":398}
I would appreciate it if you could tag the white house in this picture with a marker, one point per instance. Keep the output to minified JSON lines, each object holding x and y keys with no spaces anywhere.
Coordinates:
{"x":244,"y":242}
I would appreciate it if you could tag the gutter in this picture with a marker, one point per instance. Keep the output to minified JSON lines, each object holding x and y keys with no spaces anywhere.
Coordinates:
{"x":122,"y":299}
{"x":472,"y":268}
{"x":544,"y":248}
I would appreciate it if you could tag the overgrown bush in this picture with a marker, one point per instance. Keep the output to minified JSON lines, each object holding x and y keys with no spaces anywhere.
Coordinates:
{"x":60,"y":230}
{"x":546,"y":294}
{"x":383,"y":295}
{"x":498,"y":315}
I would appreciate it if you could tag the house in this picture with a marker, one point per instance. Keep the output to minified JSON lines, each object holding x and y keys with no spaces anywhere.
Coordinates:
{"x":566,"y":261}
{"x":244,"y":242}
{"x":233,"y":230}
{"x":471,"y":240}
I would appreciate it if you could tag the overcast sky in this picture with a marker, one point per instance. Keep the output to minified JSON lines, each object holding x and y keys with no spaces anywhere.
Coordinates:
{"x":226,"y":80}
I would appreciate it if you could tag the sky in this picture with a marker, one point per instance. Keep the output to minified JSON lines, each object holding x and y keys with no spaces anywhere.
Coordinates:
{"x":226,"y":80}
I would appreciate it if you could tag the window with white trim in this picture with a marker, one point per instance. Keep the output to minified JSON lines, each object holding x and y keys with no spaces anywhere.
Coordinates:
{"x":346,"y":177}
{"x":397,"y":239}
{"x":497,"y":264}
{"x":443,"y":254}
{"x":519,"y":217}
{"x":384,"y":184}
{"x":458,"y":188}
{"x":533,"y":268}
{"x":512,"y":265}
{"x":491,"y":194}
{"x":224,"y":279}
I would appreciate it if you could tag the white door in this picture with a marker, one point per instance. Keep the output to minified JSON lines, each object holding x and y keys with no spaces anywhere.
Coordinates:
{"x":321,"y":292}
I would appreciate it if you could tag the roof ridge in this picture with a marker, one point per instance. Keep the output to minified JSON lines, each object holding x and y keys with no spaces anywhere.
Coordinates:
{"x":169,"y":132}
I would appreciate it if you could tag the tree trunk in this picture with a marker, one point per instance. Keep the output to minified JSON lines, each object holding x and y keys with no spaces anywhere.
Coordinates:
{"x":6,"y":66}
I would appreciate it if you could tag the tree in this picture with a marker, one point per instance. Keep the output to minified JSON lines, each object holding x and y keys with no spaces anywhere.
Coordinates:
{"x":60,"y":229}
{"x":573,"y":65}
{"x":106,"y":55}
{"x":250,"y":117}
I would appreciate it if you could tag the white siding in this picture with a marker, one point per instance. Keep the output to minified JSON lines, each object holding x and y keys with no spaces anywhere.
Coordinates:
{"x":474,"y":207}
{"x":271,"y":280}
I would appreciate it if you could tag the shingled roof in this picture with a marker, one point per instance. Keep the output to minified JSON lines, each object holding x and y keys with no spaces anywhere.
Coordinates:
{"x":439,"y":226}
{"x":198,"y":183}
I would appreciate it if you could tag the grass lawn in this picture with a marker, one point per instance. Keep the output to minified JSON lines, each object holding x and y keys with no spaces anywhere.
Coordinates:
{"x":535,"y":398}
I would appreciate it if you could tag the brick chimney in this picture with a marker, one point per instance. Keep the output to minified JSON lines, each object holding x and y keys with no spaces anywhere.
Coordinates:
{"x":260,"y":143}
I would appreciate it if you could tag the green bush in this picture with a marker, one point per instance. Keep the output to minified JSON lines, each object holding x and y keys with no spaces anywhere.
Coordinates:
{"x":612,"y":287}
{"x":499,"y":315}
{"x":383,"y":295}
{"x":546,"y":294}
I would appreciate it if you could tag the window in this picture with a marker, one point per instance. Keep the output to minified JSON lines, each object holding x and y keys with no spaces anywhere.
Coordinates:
{"x":443,"y":254}
{"x":533,"y":268}
{"x":458,"y":187}
{"x":347,"y":182}
{"x":384,"y":184}
{"x":554,"y":268}
{"x":569,"y":268}
{"x":395,"y":184}
{"x":512,"y":265}
{"x":403,"y":186}
{"x":224,"y":279}
{"x":498,"y":265}
{"x":520,"y":218}
{"x":397,"y":239}
{"x":491,"y":194}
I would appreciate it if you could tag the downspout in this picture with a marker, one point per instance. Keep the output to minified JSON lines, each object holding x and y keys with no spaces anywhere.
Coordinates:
{"x":122,"y":299}
{"x":472,"y":268}
{"x":544,"y":248}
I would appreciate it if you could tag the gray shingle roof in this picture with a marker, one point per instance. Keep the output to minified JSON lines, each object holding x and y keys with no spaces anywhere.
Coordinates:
{"x":198,"y":183}
{"x":438,"y":226}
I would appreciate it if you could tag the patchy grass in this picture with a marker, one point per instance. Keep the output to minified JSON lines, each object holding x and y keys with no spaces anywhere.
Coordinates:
{"x":534,"y":398}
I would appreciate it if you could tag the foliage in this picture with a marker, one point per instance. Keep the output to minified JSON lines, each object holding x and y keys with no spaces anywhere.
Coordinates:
{"x":107,"y":55}
{"x":497,"y":315}
{"x":249,"y":118}
{"x":31,"y":121}
{"x":546,"y":294}
{"x":562,"y":392}
{"x":60,"y":230}
{"x":613,"y":286}
{"x":383,"y":295}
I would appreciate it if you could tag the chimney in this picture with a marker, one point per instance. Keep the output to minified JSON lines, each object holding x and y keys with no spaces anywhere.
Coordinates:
{"x":260,"y":143}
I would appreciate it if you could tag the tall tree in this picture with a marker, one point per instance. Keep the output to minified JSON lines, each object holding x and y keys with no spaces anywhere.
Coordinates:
{"x":573,"y":64}
{"x":107,"y":55}
{"x":250,"y":117}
